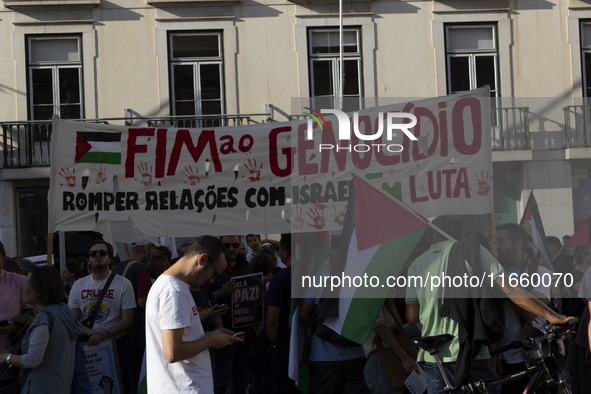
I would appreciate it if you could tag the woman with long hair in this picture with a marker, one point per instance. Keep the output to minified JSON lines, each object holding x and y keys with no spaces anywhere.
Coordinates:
{"x":49,"y":345}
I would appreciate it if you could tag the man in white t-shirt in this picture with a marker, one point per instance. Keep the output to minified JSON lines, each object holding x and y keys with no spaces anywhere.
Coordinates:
{"x":177,"y":348}
{"x":115,"y":314}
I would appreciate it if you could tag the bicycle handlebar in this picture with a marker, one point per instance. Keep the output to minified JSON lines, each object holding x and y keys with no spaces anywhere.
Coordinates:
{"x":529,"y":342}
{"x":560,"y":328}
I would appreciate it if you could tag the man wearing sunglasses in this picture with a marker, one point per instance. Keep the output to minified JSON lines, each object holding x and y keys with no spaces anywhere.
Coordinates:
{"x":115,"y":314}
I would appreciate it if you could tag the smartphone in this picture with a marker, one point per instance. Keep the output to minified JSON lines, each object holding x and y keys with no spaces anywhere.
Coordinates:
{"x":239,"y":334}
{"x":220,"y":306}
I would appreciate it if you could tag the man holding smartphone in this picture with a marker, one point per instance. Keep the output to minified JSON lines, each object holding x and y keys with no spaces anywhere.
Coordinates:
{"x":177,"y":348}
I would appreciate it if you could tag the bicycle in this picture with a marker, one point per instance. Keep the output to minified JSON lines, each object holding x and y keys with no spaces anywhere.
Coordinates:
{"x":535,"y":345}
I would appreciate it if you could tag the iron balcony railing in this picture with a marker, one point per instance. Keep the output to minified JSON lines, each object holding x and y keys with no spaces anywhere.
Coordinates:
{"x":510,"y":128}
{"x":27,"y":144}
{"x":577,"y":122}
{"x":200,"y":122}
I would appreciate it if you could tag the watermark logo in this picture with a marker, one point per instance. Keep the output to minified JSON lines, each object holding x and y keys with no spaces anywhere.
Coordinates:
{"x":344,"y":131}
{"x":315,"y":117}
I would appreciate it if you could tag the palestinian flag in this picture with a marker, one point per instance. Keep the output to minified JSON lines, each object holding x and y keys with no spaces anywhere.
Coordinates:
{"x":98,"y":147}
{"x":299,"y":353}
{"x":378,"y":238}
{"x":532,"y":222}
{"x":581,"y":236}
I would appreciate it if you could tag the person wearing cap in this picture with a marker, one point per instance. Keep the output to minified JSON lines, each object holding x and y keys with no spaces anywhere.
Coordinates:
{"x":137,"y":271}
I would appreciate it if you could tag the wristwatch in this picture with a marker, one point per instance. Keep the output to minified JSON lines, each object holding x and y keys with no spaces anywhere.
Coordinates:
{"x":8,"y":358}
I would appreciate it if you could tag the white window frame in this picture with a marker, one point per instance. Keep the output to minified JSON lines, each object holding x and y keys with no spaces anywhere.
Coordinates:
{"x":503,"y":22}
{"x":304,"y":21}
{"x":472,"y":54}
{"x":585,"y":49}
{"x":223,"y":24}
{"x":334,"y":59}
{"x":197,"y":63}
{"x":55,"y":66}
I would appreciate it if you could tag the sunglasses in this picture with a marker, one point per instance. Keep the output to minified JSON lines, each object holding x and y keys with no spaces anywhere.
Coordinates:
{"x":94,"y":253}
{"x":235,"y":246}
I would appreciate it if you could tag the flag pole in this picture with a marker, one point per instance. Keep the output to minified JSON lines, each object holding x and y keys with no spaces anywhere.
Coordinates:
{"x":407,"y":208}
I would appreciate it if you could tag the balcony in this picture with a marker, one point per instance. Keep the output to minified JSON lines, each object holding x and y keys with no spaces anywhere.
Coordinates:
{"x":577,"y":122}
{"x":27,"y":144}
{"x":41,"y":4}
{"x":510,"y":128}
{"x":167,"y":3}
{"x":203,"y":121}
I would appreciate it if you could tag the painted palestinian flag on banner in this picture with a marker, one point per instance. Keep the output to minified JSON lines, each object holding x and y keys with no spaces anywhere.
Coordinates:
{"x":581,"y":236}
{"x":378,"y":238}
{"x":98,"y":147}
{"x":532,"y":222}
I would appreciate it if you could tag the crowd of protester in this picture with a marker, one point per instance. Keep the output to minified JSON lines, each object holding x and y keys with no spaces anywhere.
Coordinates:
{"x":173,"y":315}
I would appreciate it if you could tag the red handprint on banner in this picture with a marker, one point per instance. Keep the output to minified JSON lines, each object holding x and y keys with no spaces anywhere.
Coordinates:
{"x":339,"y":218}
{"x":101,"y":175}
{"x":255,"y":173}
{"x":146,"y":173}
{"x":483,"y":185}
{"x":69,"y":176}
{"x":191,"y":175}
{"x":318,"y":219}
{"x":297,"y":215}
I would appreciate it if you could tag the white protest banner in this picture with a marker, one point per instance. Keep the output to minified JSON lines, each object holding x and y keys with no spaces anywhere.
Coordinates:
{"x":103,"y":368}
{"x":271,"y":177}
{"x":247,"y":300}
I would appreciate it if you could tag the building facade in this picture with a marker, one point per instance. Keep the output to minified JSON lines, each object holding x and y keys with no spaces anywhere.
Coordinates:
{"x":226,"y":62}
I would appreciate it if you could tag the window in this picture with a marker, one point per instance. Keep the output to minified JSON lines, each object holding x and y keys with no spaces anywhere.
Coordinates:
{"x":325,"y":86}
{"x":586,"y":57}
{"x":196,"y":73}
{"x":472,"y":58}
{"x":55,"y":77}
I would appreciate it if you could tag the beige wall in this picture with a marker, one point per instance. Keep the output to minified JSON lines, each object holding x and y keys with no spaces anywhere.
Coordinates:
{"x":265,"y":45}
{"x":265,"y":59}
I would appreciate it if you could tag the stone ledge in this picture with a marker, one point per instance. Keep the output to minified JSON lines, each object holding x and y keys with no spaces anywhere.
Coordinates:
{"x":164,"y":3}
{"x":24,"y":4}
